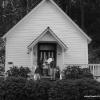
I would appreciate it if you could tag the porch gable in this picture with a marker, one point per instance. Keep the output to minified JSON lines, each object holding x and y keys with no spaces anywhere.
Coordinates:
{"x":48,"y":36}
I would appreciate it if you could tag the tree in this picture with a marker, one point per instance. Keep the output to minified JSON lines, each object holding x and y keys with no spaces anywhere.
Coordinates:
{"x":94,"y":52}
{"x":86,"y":13}
{"x":2,"y":51}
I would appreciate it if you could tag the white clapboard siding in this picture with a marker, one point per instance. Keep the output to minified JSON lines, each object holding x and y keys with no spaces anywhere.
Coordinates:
{"x":36,"y":22}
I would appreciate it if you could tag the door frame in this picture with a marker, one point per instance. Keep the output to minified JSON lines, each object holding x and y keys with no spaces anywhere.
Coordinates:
{"x":49,"y":43}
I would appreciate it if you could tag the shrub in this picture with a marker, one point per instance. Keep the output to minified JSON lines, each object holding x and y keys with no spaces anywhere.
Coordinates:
{"x":19,"y":88}
{"x":18,"y":71}
{"x":64,"y":90}
{"x":74,"y":89}
{"x":12,"y":88}
{"x":37,"y":90}
{"x":75,"y":72}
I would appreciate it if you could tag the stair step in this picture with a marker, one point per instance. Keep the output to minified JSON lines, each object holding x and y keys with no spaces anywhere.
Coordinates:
{"x":46,"y":78}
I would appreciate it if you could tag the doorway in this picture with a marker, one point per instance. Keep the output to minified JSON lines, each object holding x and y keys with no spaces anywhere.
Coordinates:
{"x":46,"y":51}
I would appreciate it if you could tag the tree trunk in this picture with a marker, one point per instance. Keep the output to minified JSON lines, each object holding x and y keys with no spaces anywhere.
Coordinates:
{"x":82,"y":14}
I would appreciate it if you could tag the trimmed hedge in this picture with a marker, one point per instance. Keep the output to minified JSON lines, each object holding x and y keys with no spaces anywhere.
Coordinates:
{"x":12,"y":88}
{"x":74,"y":89}
{"x":18,"y":88}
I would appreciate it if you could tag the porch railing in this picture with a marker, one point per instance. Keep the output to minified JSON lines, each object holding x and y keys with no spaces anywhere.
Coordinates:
{"x":94,"y":68}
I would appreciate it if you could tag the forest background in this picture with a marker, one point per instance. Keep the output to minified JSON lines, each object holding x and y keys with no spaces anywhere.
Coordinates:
{"x":85,"y":13}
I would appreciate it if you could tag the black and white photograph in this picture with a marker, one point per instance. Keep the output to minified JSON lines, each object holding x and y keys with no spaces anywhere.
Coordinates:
{"x":49,"y":49}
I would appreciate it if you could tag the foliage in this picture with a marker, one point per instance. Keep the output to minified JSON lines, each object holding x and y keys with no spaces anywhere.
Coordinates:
{"x":18,"y":71}
{"x":94,"y":53}
{"x":2,"y":69}
{"x":12,"y":88}
{"x":74,"y":89}
{"x":37,"y":90}
{"x":75,"y":72}
{"x":2,"y":51}
{"x":18,"y":88}
{"x":86,"y":13}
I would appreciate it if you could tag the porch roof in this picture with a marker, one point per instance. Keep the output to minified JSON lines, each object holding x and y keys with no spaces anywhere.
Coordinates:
{"x":58,"y":40}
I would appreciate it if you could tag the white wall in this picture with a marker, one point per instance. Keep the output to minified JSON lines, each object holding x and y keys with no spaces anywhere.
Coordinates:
{"x":59,"y":56}
{"x":34,"y":24}
{"x":48,"y":37}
